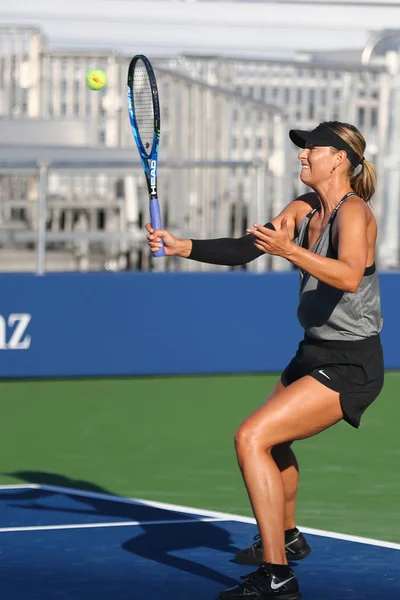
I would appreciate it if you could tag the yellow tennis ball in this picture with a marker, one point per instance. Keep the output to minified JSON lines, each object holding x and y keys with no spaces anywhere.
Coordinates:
{"x":96,"y":79}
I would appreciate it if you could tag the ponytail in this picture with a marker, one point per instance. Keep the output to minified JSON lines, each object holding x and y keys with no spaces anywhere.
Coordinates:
{"x":364,"y":182}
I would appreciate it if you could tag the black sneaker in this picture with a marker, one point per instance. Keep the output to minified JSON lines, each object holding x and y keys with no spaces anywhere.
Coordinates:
{"x":295,"y":543}
{"x":264,"y":585}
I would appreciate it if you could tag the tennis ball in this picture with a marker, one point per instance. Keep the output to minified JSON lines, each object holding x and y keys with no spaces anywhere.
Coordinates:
{"x":96,"y":79}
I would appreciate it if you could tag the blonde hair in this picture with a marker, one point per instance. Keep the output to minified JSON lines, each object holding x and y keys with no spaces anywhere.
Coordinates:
{"x":364,"y":181}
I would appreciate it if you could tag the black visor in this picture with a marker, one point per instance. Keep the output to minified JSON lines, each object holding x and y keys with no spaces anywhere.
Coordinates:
{"x":324,"y":136}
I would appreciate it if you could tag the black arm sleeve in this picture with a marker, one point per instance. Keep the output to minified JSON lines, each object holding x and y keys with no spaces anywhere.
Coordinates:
{"x":227,"y":251}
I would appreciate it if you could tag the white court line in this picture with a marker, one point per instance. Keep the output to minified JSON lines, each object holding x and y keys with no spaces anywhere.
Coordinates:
{"x":241,"y":519}
{"x":111,"y":524}
{"x":31,"y":486}
{"x":73,"y":492}
{"x":214,"y":515}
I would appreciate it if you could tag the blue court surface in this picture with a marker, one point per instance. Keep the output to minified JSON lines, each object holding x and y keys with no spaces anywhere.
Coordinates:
{"x":58,"y":543}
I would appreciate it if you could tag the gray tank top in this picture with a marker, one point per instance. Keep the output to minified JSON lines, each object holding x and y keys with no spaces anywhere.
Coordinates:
{"x":326,"y":313}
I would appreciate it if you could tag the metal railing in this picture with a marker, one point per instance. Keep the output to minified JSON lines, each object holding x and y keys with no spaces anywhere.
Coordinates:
{"x":121,"y":242}
{"x":220,"y":156}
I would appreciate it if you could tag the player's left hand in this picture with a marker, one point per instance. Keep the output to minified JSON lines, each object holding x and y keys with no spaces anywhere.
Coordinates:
{"x":273,"y":242}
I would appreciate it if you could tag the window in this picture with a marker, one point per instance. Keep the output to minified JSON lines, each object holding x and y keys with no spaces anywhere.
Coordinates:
{"x":311,"y":104}
{"x":361,"y":117}
{"x":287,"y":96}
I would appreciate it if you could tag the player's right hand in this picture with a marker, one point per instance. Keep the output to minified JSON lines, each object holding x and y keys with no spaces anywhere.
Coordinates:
{"x":154,"y":237}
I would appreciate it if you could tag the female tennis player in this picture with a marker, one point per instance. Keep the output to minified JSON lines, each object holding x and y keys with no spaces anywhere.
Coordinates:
{"x":330,"y":235}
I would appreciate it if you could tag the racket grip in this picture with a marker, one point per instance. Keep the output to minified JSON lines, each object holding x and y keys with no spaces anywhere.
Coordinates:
{"x":155,"y":217}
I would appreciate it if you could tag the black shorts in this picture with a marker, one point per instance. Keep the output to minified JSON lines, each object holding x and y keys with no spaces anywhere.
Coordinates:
{"x":354,"y":369}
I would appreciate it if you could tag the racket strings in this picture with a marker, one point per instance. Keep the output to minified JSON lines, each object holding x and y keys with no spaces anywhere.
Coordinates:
{"x":143,"y":103}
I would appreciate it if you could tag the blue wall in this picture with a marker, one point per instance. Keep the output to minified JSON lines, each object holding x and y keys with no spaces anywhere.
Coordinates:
{"x":147,"y":323}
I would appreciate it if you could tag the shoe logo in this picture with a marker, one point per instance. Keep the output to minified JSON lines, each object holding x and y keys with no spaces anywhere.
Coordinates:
{"x":323,"y":373}
{"x":292,"y":542}
{"x":276,"y":584}
{"x":288,"y":548}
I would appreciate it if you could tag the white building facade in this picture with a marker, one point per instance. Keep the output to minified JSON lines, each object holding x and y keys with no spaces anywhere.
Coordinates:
{"x":67,"y":154}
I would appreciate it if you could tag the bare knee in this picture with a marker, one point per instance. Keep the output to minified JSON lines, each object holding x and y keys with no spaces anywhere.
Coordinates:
{"x":248,"y":439}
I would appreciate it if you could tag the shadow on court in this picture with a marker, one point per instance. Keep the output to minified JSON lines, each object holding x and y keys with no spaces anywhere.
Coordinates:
{"x":33,"y":500}
{"x":158,"y":543}
{"x":54,"y":479}
{"x":72,"y":546}
{"x":157,"y":540}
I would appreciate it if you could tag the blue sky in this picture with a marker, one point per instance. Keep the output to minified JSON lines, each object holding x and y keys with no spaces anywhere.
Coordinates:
{"x":167,"y":27}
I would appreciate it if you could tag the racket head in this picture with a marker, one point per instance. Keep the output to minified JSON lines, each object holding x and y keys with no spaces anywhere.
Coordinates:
{"x":144,"y":106}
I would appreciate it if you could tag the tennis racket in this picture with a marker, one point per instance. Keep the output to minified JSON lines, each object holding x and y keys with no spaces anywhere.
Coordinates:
{"x":144,"y":115}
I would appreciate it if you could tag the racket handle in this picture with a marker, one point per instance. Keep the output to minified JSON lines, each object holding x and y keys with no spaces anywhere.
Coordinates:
{"x":155,"y":217}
